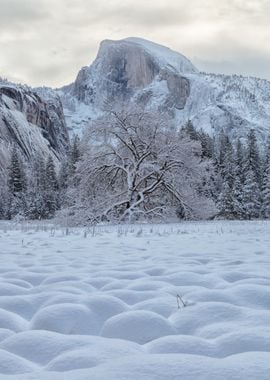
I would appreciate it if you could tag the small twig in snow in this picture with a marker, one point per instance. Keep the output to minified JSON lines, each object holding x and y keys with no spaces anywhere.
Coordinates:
{"x":180,"y":301}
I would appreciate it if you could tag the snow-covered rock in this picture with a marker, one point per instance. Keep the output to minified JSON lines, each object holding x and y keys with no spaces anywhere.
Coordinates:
{"x":31,"y":120}
{"x":136,"y":71}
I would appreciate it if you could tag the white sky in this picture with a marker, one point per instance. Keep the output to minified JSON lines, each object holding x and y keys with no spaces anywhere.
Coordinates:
{"x":46,"y":42}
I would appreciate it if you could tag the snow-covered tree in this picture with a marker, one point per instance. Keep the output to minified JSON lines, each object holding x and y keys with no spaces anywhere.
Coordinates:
{"x":266,"y":183}
{"x":51,"y":188}
{"x":135,"y":166}
{"x":16,"y":174}
{"x":17,"y":186}
{"x":51,"y":182}
{"x":238,"y":183}
{"x":251,"y":196}
{"x":252,"y":173}
{"x":252,"y":159}
{"x":43,"y":194}
{"x":74,"y":155}
{"x":36,"y":207}
{"x":225,"y":200}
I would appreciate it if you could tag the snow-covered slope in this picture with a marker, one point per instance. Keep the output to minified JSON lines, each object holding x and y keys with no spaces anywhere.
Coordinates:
{"x":137,"y":71}
{"x":31,"y":120}
{"x":164,"y":56}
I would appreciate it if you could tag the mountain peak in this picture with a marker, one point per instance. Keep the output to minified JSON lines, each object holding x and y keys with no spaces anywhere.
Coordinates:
{"x":162,"y":55}
{"x":137,"y":72}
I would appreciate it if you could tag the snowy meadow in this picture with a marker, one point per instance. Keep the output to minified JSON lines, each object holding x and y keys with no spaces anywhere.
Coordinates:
{"x":134,"y":302}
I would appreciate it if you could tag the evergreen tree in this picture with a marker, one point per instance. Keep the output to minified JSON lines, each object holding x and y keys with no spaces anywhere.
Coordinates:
{"x":63,"y":176}
{"x":36,"y":205}
{"x":4,"y":200}
{"x":252,"y":158}
{"x":238,"y":184}
{"x":266,"y":184}
{"x":16,"y":186}
{"x":16,"y":174}
{"x":43,"y":196}
{"x":191,"y":131}
{"x":225,"y":201}
{"x":74,"y":154}
{"x":251,"y":196}
{"x":252,"y":173}
{"x":50,"y":175}
{"x":223,"y":146}
{"x":207,"y":145}
{"x":39,"y":173}
{"x":51,"y":189}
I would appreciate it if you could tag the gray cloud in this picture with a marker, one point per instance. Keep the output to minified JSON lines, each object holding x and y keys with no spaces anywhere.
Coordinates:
{"x":47,"y":41}
{"x":15,"y":14}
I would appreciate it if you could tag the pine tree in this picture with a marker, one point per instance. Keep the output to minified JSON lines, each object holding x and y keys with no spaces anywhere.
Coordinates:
{"x":225,"y":201}
{"x":252,"y":158}
{"x":223,"y":146}
{"x":4,"y":200}
{"x":207,"y":145}
{"x":251,"y":196}
{"x":36,"y":204}
{"x":16,"y":175}
{"x":266,"y":184}
{"x":43,"y":196}
{"x":50,"y":175}
{"x":190,"y":131}
{"x":16,"y":186}
{"x":238,"y":184}
{"x":39,"y":173}
{"x":51,"y":188}
{"x":252,"y":174}
{"x":63,"y":176}
{"x":74,"y":155}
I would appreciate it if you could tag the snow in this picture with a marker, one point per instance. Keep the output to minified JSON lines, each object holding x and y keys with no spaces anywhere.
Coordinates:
{"x":232,"y":103}
{"x":164,"y":55}
{"x":101,"y":303}
{"x":22,"y":125}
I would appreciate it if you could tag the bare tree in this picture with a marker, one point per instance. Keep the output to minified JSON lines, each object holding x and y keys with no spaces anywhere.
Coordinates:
{"x":134,"y":165}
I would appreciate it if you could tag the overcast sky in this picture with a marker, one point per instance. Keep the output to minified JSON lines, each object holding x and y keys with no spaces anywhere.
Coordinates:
{"x":46,"y":42}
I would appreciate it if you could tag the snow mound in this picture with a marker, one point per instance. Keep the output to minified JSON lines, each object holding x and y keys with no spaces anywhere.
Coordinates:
{"x":75,"y":359}
{"x":181,"y":344}
{"x":137,"y":326}
{"x":164,"y":306}
{"x":12,"y":321}
{"x":65,"y":319}
{"x":192,"y":318}
{"x":12,"y":364}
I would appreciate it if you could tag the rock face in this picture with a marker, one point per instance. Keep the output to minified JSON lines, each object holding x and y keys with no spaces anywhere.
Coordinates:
{"x":130,"y":70}
{"x":141,"y":72}
{"x":32,"y":120}
{"x":123,"y":68}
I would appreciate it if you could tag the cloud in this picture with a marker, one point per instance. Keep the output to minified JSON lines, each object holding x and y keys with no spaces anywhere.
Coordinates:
{"x":47,"y":41}
{"x":15,"y":14}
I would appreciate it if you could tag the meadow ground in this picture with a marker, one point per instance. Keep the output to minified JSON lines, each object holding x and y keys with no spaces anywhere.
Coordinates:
{"x":144,"y":302}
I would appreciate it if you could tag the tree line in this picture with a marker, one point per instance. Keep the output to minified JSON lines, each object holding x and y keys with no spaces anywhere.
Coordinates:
{"x":36,"y":189}
{"x":131,"y":166}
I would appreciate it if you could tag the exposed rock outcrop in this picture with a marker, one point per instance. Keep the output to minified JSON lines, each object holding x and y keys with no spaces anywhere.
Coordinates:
{"x":140,"y":72}
{"x":130,"y":70}
{"x":31,"y":120}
